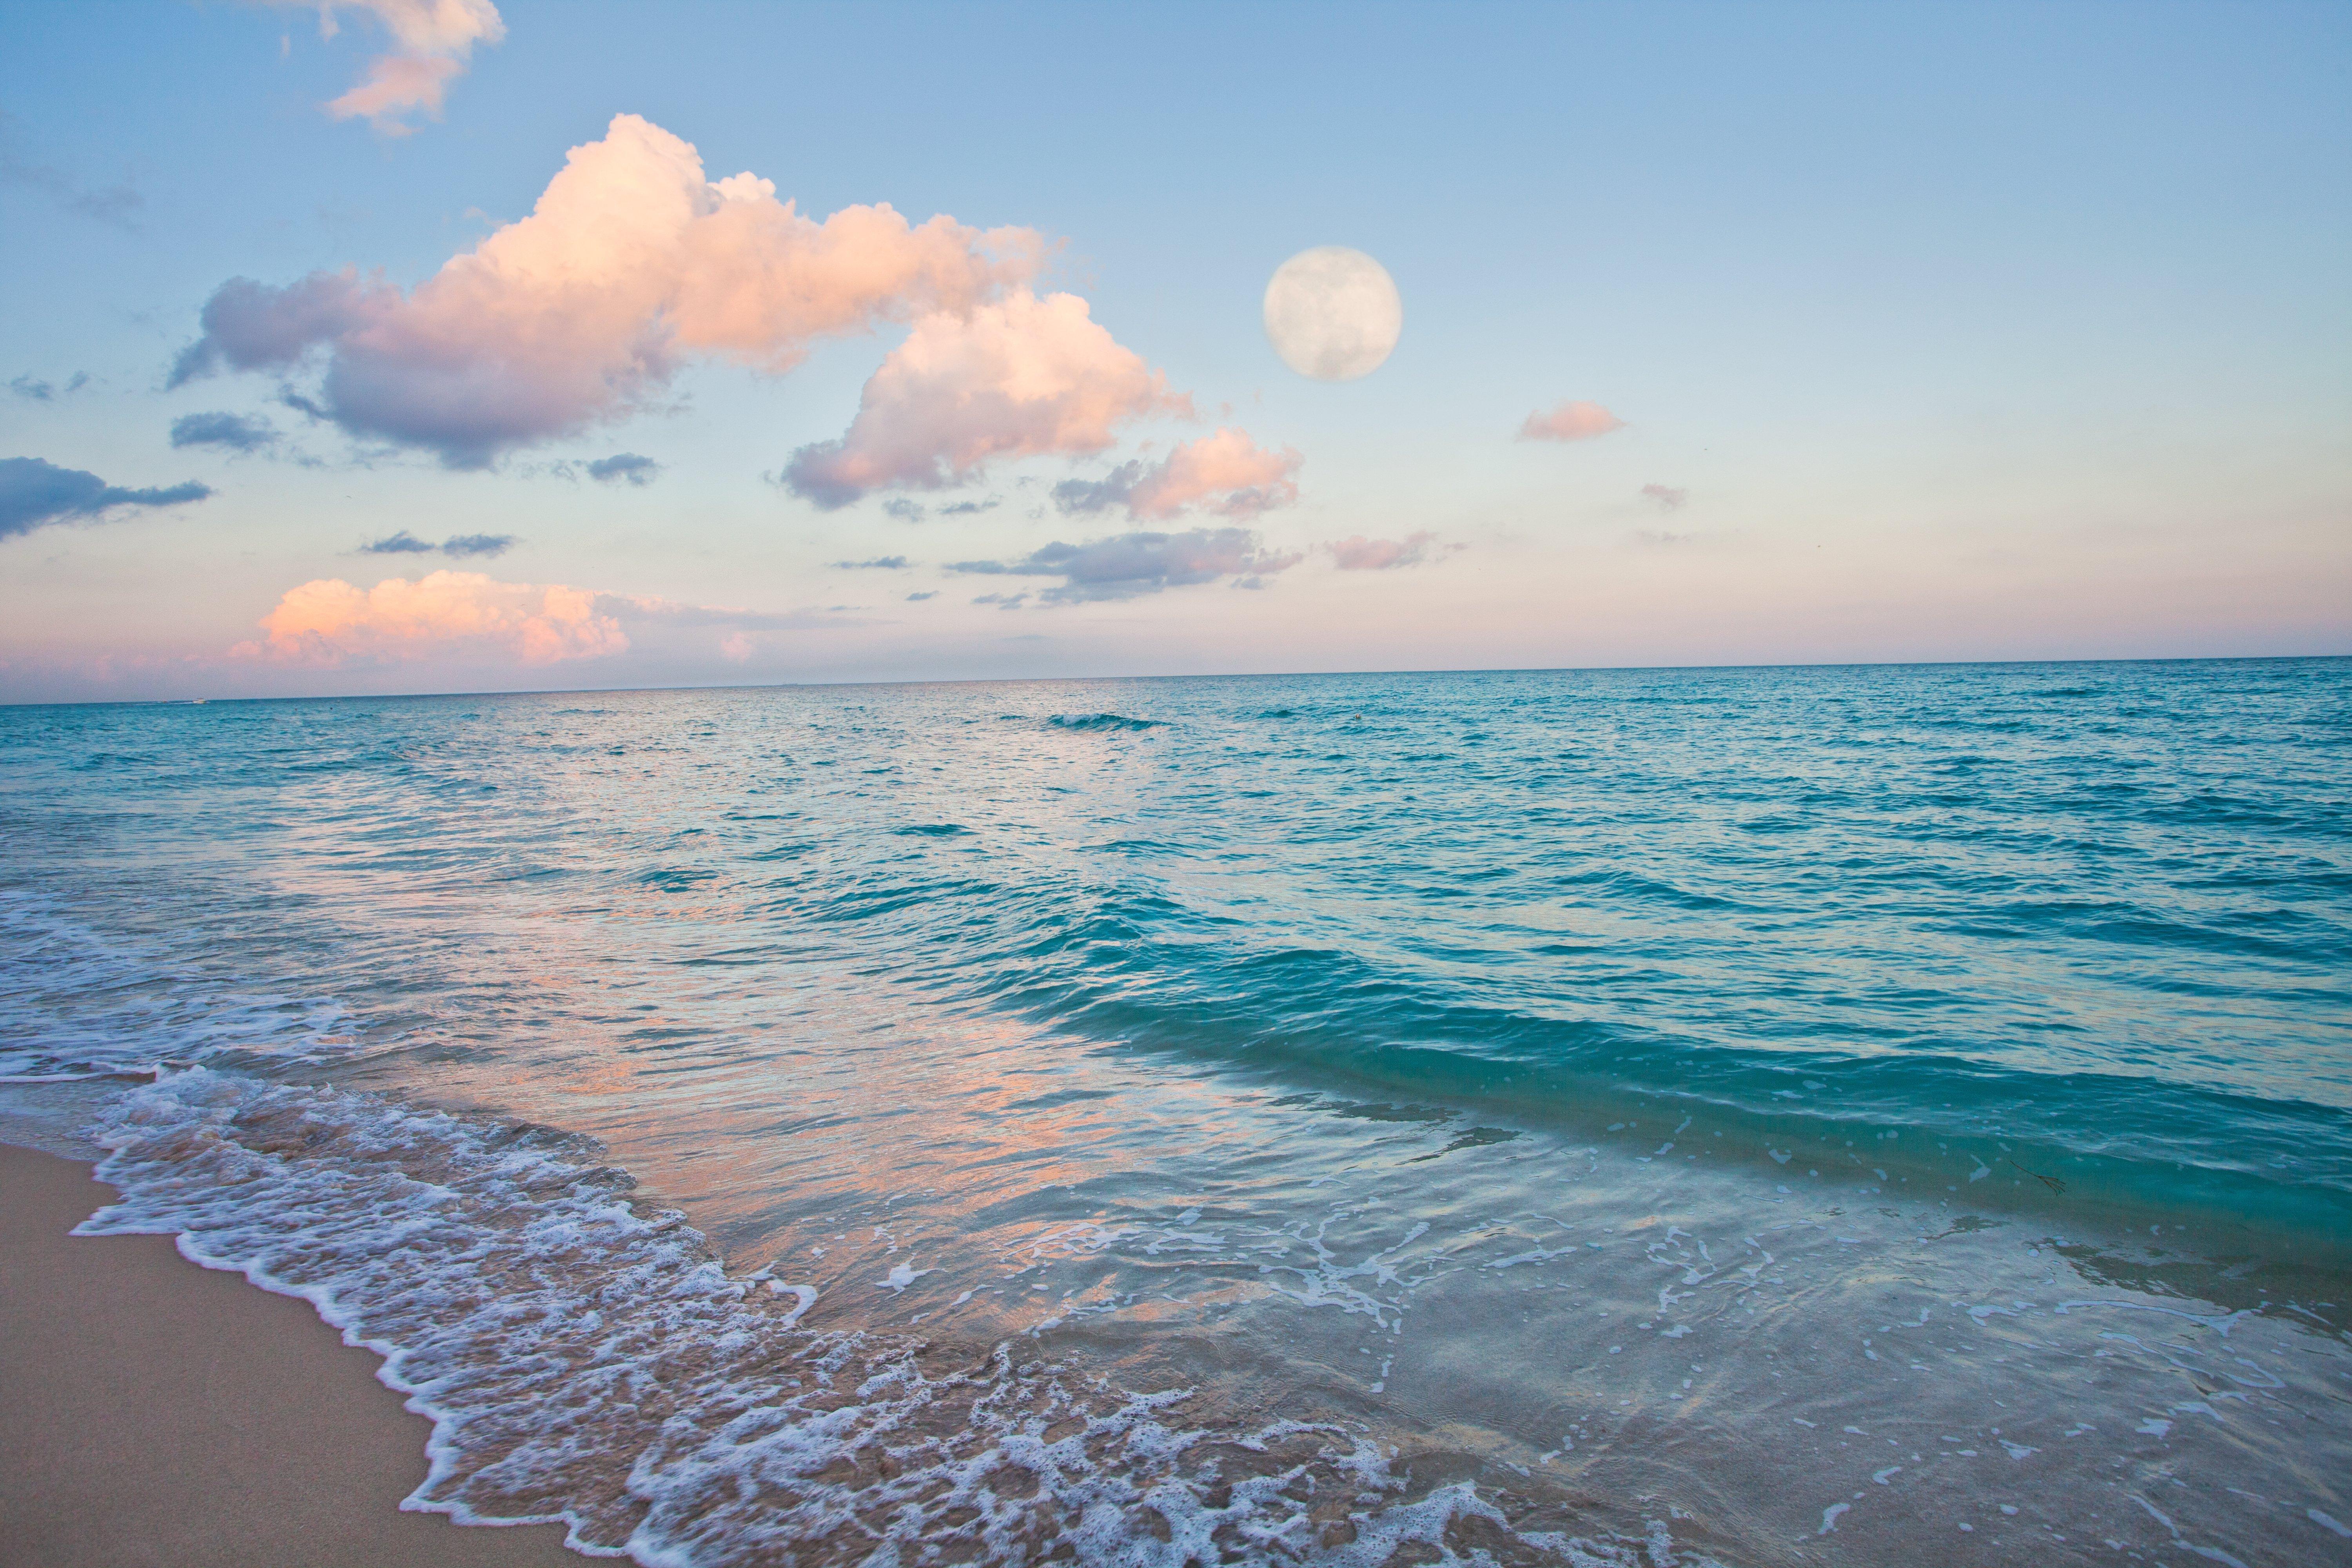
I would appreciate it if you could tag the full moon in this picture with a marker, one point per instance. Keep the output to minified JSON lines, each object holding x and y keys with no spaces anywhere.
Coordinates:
{"x":1333,"y":313}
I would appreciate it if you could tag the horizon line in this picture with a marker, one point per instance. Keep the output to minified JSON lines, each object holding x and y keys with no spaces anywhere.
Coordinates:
{"x":1242,"y":674}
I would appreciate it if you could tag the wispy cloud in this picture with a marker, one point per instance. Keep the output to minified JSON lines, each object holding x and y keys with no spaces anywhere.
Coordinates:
{"x":1573,"y":421}
{"x":38,"y":390}
{"x":35,"y":493}
{"x":623,"y":468}
{"x":460,"y":544}
{"x":1667,"y":496}
{"x":432,"y":41}
{"x":232,"y":432}
{"x":1361,"y":554}
{"x":1127,"y":565}
{"x":632,"y":264}
{"x":1226,"y":473}
{"x":880,"y":564}
{"x":117,"y":206}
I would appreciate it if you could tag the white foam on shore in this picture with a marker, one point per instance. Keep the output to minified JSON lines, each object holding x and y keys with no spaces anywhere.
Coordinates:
{"x":586,"y":1361}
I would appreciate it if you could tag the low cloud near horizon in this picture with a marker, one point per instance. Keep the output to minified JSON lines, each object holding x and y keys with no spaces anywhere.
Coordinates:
{"x":1128,"y":565}
{"x":1572,"y":421}
{"x":1361,"y":554}
{"x":35,"y":493}
{"x":1667,"y":496}
{"x":449,"y":614}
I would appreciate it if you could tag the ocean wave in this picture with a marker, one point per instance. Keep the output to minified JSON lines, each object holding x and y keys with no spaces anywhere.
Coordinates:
{"x":586,"y":1361}
{"x":1103,"y":721}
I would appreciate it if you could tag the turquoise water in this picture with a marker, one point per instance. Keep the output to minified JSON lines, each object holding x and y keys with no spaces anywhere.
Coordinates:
{"x":1274,"y":1118}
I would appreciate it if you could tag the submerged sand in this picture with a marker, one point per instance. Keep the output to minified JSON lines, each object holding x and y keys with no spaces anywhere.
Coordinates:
{"x":153,"y":1411}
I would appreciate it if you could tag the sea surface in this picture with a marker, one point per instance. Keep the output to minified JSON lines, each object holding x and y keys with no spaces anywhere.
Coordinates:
{"x":1643,"y":1118}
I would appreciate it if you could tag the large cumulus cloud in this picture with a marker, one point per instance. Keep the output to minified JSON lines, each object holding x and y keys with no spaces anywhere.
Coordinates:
{"x":1022,"y":377}
{"x":631,"y":263}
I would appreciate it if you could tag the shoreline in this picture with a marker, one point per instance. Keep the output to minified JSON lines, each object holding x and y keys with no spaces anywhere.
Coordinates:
{"x":166,"y":1414}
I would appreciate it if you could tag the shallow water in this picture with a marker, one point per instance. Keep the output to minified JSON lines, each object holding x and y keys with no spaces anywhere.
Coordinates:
{"x":1761,"y":1116}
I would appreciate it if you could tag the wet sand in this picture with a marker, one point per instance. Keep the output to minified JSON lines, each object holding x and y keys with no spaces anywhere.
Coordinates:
{"x":153,"y":1411}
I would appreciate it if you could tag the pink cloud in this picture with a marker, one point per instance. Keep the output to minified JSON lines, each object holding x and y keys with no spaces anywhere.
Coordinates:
{"x":1021,"y":377}
{"x":1227,"y":473}
{"x":329,"y":621}
{"x":1361,"y":554}
{"x":434,"y":37}
{"x":1570,"y":422}
{"x":631,"y":263}
{"x":1667,"y":496}
{"x":396,"y":84}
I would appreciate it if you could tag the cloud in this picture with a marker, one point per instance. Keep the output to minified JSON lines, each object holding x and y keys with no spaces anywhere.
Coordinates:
{"x":880,"y":564}
{"x":919,"y":598}
{"x":1570,"y":422}
{"x":114,"y":205}
{"x":432,"y":40}
{"x":1226,"y":473}
{"x":401,"y":543}
{"x":1666,"y":496}
{"x":460,"y":544}
{"x":35,"y":493}
{"x":42,"y":392}
{"x":236,"y":431}
{"x":967,"y":508}
{"x":902,"y":509}
{"x":1127,"y":565}
{"x":631,"y":265}
{"x":1024,"y":377}
{"x":623,"y":468}
{"x":465,"y":615}
{"x":330,"y":622}
{"x":1361,"y":554}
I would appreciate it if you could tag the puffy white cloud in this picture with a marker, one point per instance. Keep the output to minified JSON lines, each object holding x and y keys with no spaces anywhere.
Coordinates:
{"x":432,"y":40}
{"x":1127,"y":565}
{"x":465,"y":615}
{"x":1024,"y":377}
{"x":631,"y":263}
{"x":329,"y":621}
{"x":1570,"y":422}
{"x":1226,"y":473}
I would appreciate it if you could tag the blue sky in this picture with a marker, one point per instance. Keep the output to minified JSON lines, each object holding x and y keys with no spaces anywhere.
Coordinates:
{"x":1935,"y":332}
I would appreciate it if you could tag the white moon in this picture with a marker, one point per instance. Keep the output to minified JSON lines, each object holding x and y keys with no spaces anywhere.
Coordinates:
{"x":1333,"y":313}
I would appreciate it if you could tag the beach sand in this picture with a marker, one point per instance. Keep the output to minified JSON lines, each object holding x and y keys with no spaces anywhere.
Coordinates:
{"x":154,"y":1412}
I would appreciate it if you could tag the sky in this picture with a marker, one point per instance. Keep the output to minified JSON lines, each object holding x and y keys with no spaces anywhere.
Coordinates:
{"x":433,"y":345}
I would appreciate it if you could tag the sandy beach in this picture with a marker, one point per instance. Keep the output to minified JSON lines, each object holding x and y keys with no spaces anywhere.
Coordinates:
{"x":154,"y":1412}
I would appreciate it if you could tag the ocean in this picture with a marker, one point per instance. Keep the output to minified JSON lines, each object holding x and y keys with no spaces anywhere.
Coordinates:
{"x":1643,"y":1117}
